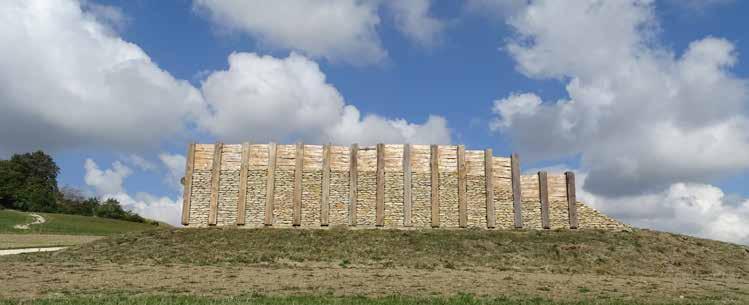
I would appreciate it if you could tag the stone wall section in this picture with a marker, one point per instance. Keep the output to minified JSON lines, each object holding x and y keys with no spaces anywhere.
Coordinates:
{"x":311,"y":185}
{"x":558,"y":207}
{"x":421,"y":187}
{"x":503,"y":193}
{"x":339,"y":200}
{"x":366,"y":207}
{"x":448,"y":184}
{"x":590,"y":218}
{"x":475,"y":189}
{"x":531,"y":203}
{"x":228,"y":195}
{"x":201,"y":198}
{"x":393,"y":212}
{"x":255,"y":206}
{"x":393,"y":199}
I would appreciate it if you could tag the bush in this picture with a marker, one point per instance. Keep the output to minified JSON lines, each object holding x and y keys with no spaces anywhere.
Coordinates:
{"x":111,"y":209}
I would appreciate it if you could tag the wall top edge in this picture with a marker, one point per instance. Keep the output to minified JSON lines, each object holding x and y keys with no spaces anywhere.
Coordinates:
{"x":360,"y":146}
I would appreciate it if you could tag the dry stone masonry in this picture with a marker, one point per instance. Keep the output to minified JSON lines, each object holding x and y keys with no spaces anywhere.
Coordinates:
{"x":385,"y":185}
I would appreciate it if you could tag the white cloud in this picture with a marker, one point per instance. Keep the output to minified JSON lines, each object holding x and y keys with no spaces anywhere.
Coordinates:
{"x":108,"y":183}
{"x":107,"y":15}
{"x":66,"y":80}
{"x":337,"y":30}
{"x":413,"y":20}
{"x":139,"y":162}
{"x":695,"y":209}
{"x":640,"y":117}
{"x":175,"y":165}
{"x":152,"y":207}
{"x":262,"y":98}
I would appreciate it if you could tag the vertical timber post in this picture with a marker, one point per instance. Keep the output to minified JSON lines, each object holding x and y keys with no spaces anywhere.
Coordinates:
{"x":543,"y":197}
{"x":353,"y":182}
{"x":491,"y":217}
{"x":215,"y":181}
{"x":325,"y":196}
{"x":434,"y":168}
{"x":270,"y":184}
{"x":187,"y":193}
{"x":380,"y":182}
{"x":516,"y":199}
{"x":407,"y":204}
{"x":462,"y":204}
{"x":571,"y":200}
{"x":242,"y":199}
{"x":296,"y":198}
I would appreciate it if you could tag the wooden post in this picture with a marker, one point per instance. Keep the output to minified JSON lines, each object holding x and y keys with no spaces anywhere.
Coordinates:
{"x":187,"y":192}
{"x":353,"y":182}
{"x":407,"y":204}
{"x":270,"y":184}
{"x":242,"y":200}
{"x":296,"y":199}
{"x":491,"y":216}
{"x":215,"y":180}
{"x":380,"y":192}
{"x":325,"y":196}
{"x":462,"y":205}
{"x":571,"y":200}
{"x":543,"y":197}
{"x":434,"y":167}
{"x":516,"y":199}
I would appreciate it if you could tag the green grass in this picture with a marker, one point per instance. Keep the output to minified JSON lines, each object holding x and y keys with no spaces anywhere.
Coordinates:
{"x":641,"y":252}
{"x":68,"y":224}
{"x":332,"y":300}
{"x":10,"y":218}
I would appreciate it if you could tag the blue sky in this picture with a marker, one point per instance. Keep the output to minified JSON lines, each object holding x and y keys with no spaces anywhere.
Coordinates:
{"x":453,"y":60}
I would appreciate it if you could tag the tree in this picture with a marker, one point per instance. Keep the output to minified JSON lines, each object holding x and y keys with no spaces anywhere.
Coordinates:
{"x":111,"y":209}
{"x":29,"y":182}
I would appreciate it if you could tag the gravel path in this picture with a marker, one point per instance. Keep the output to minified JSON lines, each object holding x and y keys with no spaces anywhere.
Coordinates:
{"x":29,"y":250}
{"x":38,"y":219}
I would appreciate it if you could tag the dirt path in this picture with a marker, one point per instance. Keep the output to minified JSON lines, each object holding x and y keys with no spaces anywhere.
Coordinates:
{"x":38,"y":219}
{"x":29,"y":250}
{"x":24,"y":280}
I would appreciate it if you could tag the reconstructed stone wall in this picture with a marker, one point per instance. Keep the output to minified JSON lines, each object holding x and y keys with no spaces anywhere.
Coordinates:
{"x":310,"y":186}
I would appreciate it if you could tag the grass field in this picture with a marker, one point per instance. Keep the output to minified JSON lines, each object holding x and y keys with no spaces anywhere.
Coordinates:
{"x":67,"y":224}
{"x":59,"y":229}
{"x":16,"y":241}
{"x":227,"y":266}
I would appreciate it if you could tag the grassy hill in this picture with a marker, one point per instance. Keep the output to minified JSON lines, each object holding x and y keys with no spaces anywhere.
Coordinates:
{"x":267,"y":266}
{"x":59,"y":229}
{"x":67,"y":224}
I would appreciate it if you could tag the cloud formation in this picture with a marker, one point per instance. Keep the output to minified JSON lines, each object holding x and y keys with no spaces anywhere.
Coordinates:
{"x":69,"y":80}
{"x":108,"y":183}
{"x":640,"y":117}
{"x":263,"y":98}
{"x":696,"y":209}
{"x":337,"y":30}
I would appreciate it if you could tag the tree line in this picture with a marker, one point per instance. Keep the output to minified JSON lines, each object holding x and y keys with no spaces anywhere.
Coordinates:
{"x":28,"y":182}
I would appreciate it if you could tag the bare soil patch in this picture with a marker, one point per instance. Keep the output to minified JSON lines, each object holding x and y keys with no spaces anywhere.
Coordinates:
{"x":23,"y":280}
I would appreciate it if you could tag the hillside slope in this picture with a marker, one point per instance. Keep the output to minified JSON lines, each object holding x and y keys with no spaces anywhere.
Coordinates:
{"x":67,"y":224}
{"x":640,"y":266}
{"x":640,"y":252}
